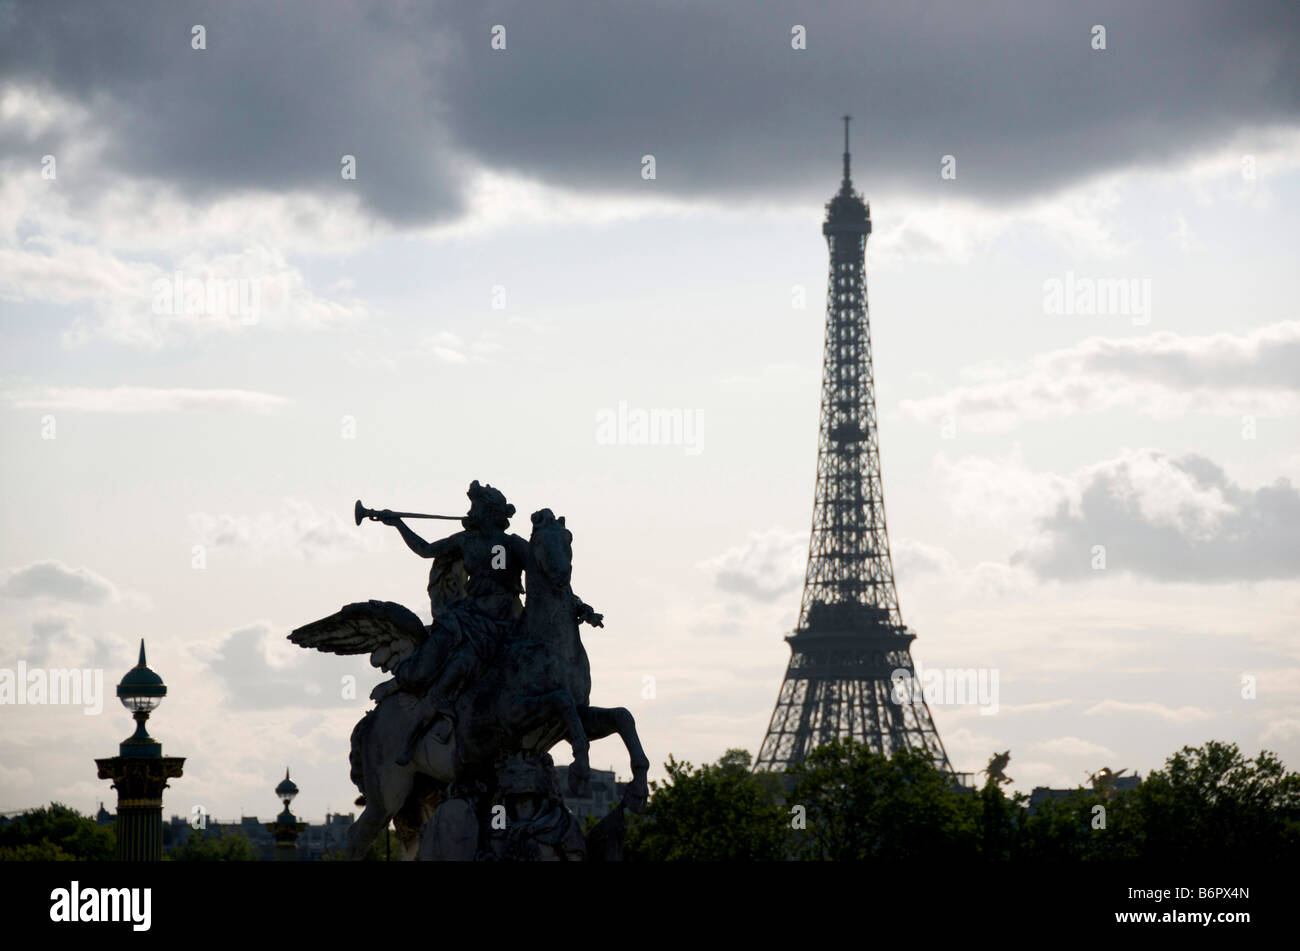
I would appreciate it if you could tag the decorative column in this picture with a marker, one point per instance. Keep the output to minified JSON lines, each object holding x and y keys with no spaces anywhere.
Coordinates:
{"x":140,"y":772}
{"x":286,"y":828}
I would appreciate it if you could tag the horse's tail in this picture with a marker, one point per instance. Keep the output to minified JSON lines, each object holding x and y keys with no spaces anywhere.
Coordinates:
{"x":358,"y":774}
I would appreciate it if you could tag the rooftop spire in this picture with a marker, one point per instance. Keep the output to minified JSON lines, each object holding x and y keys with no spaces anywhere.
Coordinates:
{"x":847,"y":120}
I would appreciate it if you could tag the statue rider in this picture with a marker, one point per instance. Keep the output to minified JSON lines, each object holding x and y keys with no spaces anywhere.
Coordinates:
{"x":468,"y":633}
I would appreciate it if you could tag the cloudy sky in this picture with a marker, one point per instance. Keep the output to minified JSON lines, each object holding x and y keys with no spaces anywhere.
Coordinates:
{"x":450,"y":260}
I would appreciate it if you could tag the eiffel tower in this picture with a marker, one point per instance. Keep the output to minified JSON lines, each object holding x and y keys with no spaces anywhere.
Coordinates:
{"x":850,"y":638}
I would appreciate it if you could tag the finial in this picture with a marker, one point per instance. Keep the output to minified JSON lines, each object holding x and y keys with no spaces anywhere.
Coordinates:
{"x":142,"y":663}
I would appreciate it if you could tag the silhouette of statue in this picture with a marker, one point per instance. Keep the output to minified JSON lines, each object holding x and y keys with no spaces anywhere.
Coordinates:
{"x":488,"y":680}
{"x":1103,"y":781}
{"x":467,"y":634}
{"x":996,"y":770}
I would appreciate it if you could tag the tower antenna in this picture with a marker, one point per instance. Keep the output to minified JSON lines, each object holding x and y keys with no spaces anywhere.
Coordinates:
{"x":847,"y":120}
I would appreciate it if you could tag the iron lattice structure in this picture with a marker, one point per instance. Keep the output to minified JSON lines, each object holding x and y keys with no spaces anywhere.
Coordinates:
{"x":850,"y":638}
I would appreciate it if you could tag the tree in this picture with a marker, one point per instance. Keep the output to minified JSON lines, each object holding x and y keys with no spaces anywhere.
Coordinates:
{"x":55,"y":833}
{"x":717,"y":813}
{"x":202,"y":846}
{"x":1001,"y":822}
{"x":45,"y":851}
{"x":1086,"y":826}
{"x":1210,"y":802}
{"x":862,"y":805}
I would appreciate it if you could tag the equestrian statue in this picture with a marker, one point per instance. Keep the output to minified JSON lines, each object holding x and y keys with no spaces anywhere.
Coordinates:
{"x":455,"y":751}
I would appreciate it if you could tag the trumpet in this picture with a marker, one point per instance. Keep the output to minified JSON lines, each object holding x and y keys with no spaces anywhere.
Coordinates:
{"x":360,"y":512}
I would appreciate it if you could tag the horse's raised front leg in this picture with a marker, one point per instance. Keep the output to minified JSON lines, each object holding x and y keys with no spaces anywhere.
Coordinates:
{"x":599,"y":722}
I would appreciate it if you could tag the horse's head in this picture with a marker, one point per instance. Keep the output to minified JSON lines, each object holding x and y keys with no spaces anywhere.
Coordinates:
{"x":552,"y":546}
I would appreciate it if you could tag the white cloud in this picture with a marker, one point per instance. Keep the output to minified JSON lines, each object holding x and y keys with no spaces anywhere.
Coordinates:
{"x":261,"y":670}
{"x":913,"y":559}
{"x":1163,"y":375}
{"x":142,"y":399}
{"x":1072,"y":746}
{"x":1281,"y":731}
{"x":133,"y":302}
{"x":452,"y":348}
{"x":15,"y":780}
{"x":56,"y":581}
{"x":104,"y":245}
{"x":1168,"y":519}
{"x":296,"y":529}
{"x":769,"y":565}
{"x":938,"y":572}
{"x":1184,"y":714}
{"x":49,"y":632}
{"x":1156,"y":516}
{"x":1036,"y":706}
{"x":949,"y":230}
{"x":446,"y":346}
{"x":998,"y":492}
{"x":58,"y":641}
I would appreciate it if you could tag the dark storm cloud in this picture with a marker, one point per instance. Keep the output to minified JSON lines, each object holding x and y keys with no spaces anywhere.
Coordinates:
{"x":279,"y":95}
{"x":714,"y":91}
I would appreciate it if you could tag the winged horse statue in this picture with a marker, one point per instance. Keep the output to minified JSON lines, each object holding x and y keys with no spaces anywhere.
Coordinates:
{"x":507,"y":683}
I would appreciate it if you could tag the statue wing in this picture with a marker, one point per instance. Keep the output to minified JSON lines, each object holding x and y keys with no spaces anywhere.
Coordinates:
{"x":385,"y":630}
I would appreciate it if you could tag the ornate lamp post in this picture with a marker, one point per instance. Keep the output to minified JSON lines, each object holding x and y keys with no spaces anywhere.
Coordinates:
{"x":140,"y":772}
{"x":286,"y":827}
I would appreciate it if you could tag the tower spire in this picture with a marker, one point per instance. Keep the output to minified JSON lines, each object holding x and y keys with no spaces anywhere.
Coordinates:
{"x":846,"y":182}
